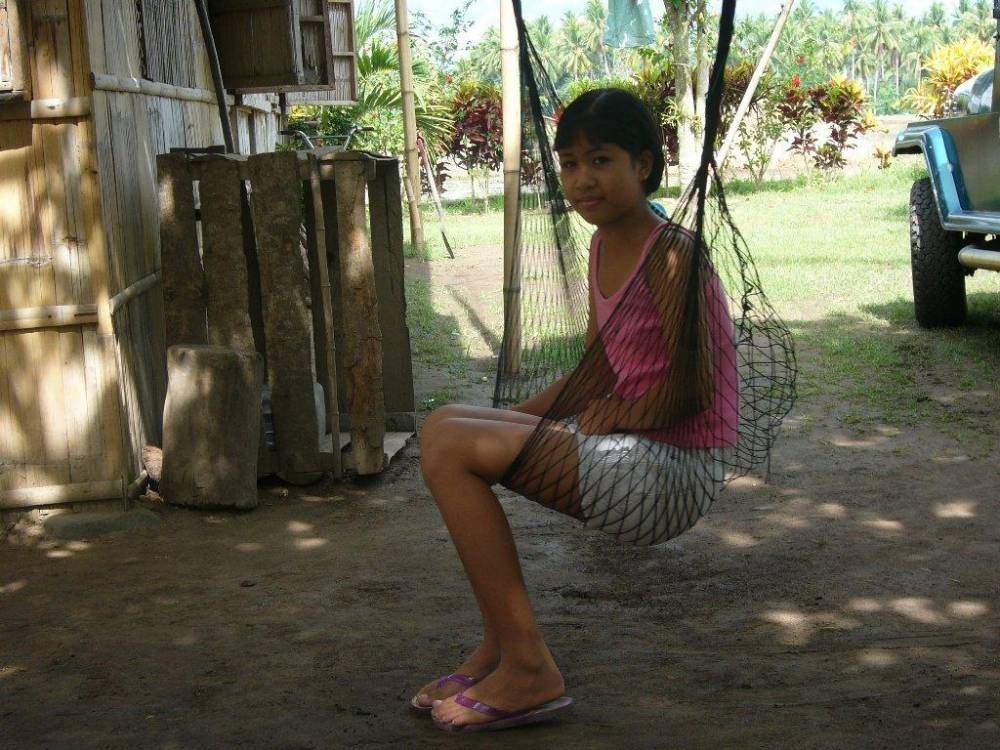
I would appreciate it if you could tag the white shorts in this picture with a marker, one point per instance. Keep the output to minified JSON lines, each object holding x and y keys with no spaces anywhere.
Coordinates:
{"x":643,"y":491}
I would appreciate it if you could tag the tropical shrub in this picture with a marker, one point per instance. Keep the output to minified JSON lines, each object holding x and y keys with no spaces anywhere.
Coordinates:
{"x":838,"y":103}
{"x":841,"y":105}
{"x":477,"y":143}
{"x":947,"y":68}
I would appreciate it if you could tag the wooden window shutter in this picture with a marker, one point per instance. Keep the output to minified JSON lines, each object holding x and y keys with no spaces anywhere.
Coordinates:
{"x":287,"y":46}
{"x":12,"y":50}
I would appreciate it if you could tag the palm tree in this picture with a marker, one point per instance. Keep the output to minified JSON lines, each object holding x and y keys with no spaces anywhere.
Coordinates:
{"x":594,"y":27}
{"x":574,"y":52}
{"x":975,"y":20}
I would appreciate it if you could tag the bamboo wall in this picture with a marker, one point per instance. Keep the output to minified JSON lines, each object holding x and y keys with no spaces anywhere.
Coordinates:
{"x":78,"y":231}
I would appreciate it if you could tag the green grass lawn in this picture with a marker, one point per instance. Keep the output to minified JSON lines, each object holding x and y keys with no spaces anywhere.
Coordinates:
{"x":833,"y":255}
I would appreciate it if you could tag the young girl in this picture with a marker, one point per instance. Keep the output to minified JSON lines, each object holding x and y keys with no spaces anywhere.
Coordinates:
{"x":611,"y":158}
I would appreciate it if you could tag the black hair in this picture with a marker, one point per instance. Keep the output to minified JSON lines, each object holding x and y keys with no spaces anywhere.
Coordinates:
{"x":614,"y":115}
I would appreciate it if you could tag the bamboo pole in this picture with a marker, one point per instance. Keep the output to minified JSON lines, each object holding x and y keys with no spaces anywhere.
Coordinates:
{"x":511,"y":103}
{"x":758,"y":74}
{"x":409,"y":125}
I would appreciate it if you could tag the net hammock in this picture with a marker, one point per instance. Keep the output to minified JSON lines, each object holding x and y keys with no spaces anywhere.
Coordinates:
{"x":653,"y":422}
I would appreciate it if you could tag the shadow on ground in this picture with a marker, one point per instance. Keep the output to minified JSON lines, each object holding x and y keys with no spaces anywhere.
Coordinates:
{"x":849,"y":603}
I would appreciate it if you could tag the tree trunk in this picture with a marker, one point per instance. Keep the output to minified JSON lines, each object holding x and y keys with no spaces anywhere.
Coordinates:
{"x":702,"y":69}
{"x":687,"y":143}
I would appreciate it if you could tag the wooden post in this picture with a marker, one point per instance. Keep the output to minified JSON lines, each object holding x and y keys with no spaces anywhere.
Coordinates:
{"x":362,"y":351}
{"x":322,"y":311}
{"x":409,"y":125}
{"x":183,"y":277}
{"x":211,"y":424}
{"x":510,"y":73}
{"x":758,"y":74}
{"x":277,"y":211}
{"x":387,"y":258}
{"x":227,"y":298}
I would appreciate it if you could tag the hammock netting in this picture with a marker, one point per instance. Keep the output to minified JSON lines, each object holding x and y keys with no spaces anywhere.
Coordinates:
{"x":653,"y":421}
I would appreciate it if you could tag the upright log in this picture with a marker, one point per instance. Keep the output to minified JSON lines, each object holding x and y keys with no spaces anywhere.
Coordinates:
{"x":362,"y":335}
{"x":322,"y":311}
{"x":278,"y":216}
{"x":183,"y":277}
{"x":384,"y":205}
{"x":226,"y":287}
{"x":211,"y":425}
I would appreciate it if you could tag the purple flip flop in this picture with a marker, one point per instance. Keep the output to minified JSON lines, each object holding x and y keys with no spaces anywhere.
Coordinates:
{"x":464,"y":679}
{"x":505,"y":719}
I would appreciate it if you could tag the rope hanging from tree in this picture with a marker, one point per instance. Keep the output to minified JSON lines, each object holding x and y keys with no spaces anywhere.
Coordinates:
{"x":655,"y":419}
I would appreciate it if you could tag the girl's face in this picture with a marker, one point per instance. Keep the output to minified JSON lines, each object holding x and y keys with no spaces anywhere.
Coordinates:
{"x":603,"y":181}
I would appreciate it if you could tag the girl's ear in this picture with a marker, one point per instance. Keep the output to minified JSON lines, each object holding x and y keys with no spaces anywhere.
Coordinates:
{"x":645,"y":164}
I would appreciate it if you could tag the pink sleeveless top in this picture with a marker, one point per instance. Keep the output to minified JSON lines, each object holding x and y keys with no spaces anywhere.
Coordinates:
{"x":637,"y":354}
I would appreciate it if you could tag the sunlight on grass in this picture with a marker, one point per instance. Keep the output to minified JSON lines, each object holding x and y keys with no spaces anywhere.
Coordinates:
{"x":833,"y":255}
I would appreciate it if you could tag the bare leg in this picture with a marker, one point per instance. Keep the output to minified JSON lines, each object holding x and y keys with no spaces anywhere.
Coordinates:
{"x":462,"y":458}
{"x":486,"y":656}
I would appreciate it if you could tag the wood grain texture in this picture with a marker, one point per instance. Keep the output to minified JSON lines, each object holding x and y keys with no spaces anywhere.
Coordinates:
{"x":322,"y":311}
{"x":185,"y":311}
{"x":277,"y":201}
{"x":385,"y":208}
{"x":226,"y":288}
{"x":362,"y":339}
{"x":211,"y":424}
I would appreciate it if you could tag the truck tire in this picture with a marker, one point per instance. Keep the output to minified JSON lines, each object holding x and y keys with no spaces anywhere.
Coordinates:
{"x":938,"y":278}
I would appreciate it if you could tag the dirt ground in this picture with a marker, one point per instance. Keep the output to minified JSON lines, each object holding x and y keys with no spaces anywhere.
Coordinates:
{"x":849,"y":602}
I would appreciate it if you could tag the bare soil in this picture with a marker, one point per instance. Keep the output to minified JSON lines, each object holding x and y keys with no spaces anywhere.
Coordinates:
{"x":850,"y":601}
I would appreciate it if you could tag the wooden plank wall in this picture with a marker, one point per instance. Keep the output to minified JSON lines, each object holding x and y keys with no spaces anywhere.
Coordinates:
{"x":59,"y":421}
{"x":131,"y":130}
{"x":79,"y":224}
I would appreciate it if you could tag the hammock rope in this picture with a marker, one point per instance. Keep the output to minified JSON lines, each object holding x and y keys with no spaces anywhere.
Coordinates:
{"x":655,"y":419}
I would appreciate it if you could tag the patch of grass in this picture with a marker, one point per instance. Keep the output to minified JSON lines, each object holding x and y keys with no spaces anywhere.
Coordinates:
{"x":833,"y":255}
{"x":434,"y":338}
{"x":437,"y":398}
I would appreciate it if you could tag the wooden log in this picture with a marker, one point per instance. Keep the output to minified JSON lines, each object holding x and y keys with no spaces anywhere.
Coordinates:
{"x":322,"y":311}
{"x":277,"y":212}
{"x":362,"y":338}
{"x":211,"y":424}
{"x":184,"y":308}
{"x":226,"y":287}
{"x":386,"y":209}
{"x":328,"y":192}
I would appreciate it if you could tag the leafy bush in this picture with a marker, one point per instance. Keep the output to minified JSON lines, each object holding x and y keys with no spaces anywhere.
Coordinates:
{"x":839,"y":103}
{"x":947,"y":68}
{"x":477,"y":144}
{"x":760,"y":130}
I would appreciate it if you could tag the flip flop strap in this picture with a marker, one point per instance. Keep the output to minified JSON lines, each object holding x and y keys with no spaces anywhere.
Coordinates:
{"x":484,"y":708}
{"x":464,"y":679}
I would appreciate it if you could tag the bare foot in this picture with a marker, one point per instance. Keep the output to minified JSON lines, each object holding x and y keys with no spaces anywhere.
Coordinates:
{"x":480,"y":663}
{"x":509,"y":687}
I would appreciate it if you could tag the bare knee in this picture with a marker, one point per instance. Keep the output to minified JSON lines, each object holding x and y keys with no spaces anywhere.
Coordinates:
{"x":441,"y":413}
{"x":437,"y":447}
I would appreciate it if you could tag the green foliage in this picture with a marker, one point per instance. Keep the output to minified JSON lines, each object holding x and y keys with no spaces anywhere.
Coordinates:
{"x":838,"y":103}
{"x":948,"y":67}
{"x":380,"y":98}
